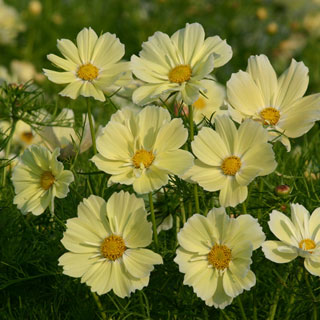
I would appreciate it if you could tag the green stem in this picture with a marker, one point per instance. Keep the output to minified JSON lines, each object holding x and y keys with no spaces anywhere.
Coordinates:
{"x":274,"y":305}
{"x":7,"y":151}
{"x":183,"y":211}
{"x":93,"y":135}
{"x":293,"y":295}
{"x":315,"y":309}
{"x":244,"y":207}
{"x":260,"y":198}
{"x":243,"y":314}
{"x":195,"y":187}
{"x":153,"y":219}
{"x":99,"y":305}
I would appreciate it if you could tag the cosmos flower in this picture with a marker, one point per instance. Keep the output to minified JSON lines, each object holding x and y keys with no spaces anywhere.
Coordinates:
{"x":229,"y":159}
{"x":299,"y":236}
{"x":215,"y":255}
{"x":177,"y":64}
{"x":142,"y":148}
{"x":90,"y":67}
{"x":107,"y":245}
{"x":38,"y":178}
{"x":276,"y":103}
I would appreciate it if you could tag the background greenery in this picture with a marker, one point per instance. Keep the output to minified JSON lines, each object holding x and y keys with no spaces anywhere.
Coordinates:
{"x":31,"y":283}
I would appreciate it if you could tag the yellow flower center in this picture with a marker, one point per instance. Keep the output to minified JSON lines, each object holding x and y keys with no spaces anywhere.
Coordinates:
{"x":88,"y":72}
{"x":307,"y":244}
{"x":180,"y":73}
{"x":143,"y":157}
{"x":270,"y":116}
{"x":219,"y":256}
{"x":47,"y":180}
{"x":231,"y":165}
{"x":113,"y":247}
{"x":27,"y":137}
{"x":200,"y":103}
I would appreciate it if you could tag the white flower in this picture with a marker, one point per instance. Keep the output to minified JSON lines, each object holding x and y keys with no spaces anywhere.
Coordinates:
{"x":38,"y":178}
{"x":229,"y":159}
{"x":91,"y":67}
{"x":10,"y":24}
{"x":299,"y":236}
{"x":142,"y":148}
{"x":106,"y":243}
{"x":215,"y":255}
{"x":64,"y":137}
{"x":177,"y":64}
{"x":276,"y":103}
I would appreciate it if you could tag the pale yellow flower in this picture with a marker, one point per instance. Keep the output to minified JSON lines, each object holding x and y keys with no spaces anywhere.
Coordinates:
{"x":142,"y":148}
{"x":91,"y":67}
{"x":299,"y":236}
{"x":107,"y":245}
{"x":215,"y":255}
{"x":38,"y":178}
{"x":177,"y":63}
{"x":229,"y":159}
{"x":277,"y":103}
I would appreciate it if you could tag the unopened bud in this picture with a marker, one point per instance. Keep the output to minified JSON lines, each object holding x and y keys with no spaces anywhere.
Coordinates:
{"x":282,"y":190}
{"x":262,"y":13}
{"x":272,"y":28}
{"x":35,"y":7}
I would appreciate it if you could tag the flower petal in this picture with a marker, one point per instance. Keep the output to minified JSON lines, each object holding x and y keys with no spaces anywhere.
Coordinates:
{"x":232,"y":193}
{"x":86,"y":41}
{"x":270,"y":250}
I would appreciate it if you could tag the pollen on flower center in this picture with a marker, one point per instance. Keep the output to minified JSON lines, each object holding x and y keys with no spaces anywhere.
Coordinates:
{"x":47,"y":180}
{"x":307,"y":244}
{"x":200,"y":103}
{"x":219,"y":256}
{"x":27,"y":137}
{"x":180,"y":73}
{"x":143,"y":157}
{"x":231,"y":165}
{"x":113,"y":247}
{"x":270,"y":116}
{"x":88,"y":72}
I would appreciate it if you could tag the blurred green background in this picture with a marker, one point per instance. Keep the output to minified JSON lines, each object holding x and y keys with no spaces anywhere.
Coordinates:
{"x":281,"y":29}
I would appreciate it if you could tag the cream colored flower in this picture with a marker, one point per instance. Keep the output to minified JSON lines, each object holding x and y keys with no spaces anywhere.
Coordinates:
{"x":177,"y":64}
{"x":91,"y":67}
{"x":299,"y":236}
{"x":215,"y":255}
{"x":65,"y":136}
{"x":38,"y":178}
{"x":10,"y":24}
{"x":277,"y":103}
{"x":106,"y":243}
{"x":229,"y":159}
{"x":142,"y":148}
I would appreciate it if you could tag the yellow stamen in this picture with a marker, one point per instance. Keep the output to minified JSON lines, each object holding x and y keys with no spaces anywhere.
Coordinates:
{"x":219,"y":256}
{"x":270,"y":116}
{"x":307,"y":244}
{"x":88,"y":72}
{"x":231,"y":165}
{"x":47,"y":180}
{"x":143,"y":157}
{"x":200,"y":103}
{"x":180,"y":73}
{"x":113,"y":247}
{"x":27,"y":137}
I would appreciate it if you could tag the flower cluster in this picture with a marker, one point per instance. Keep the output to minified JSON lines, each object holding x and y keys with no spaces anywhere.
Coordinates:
{"x":196,"y":134}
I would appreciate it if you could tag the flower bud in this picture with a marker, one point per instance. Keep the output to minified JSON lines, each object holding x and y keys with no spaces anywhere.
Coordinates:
{"x":282,"y":190}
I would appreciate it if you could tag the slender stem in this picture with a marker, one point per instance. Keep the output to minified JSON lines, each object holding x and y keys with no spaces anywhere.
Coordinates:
{"x":183,"y":211}
{"x":243,"y":314}
{"x":93,"y":135}
{"x":244,"y":207}
{"x":141,"y":303}
{"x":274,"y":305}
{"x":315,"y":309}
{"x":99,"y":305}
{"x":153,"y":219}
{"x":195,"y":187}
{"x":7,"y":151}
{"x":260,"y":198}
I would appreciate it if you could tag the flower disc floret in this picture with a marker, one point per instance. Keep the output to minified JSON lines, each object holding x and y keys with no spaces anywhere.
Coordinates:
{"x":113,"y":247}
{"x":307,"y":244}
{"x":180,"y":74}
{"x":270,"y":116}
{"x":88,"y":72}
{"x":142,"y":157}
{"x":231,"y":165}
{"x":47,"y":179}
{"x":219,"y":256}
